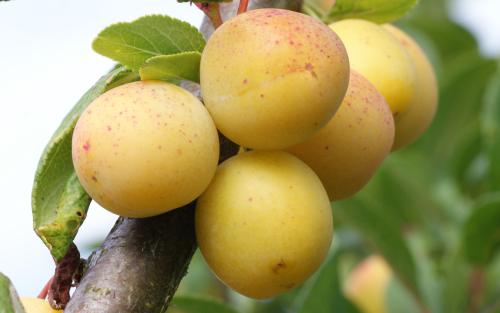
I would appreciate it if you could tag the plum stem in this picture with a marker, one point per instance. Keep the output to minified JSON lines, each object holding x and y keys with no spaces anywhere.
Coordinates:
{"x":45,"y":291}
{"x":243,"y":6}
{"x":212,"y":11}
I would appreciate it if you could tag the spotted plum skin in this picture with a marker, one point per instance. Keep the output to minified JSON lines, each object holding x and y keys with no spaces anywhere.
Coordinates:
{"x":271,"y":78}
{"x":264,"y":225}
{"x":348,"y":150}
{"x":413,"y":123}
{"x":377,"y":55}
{"x":145,"y":148}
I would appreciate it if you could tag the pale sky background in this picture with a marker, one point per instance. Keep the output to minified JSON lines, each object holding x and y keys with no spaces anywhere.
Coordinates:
{"x":46,"y":64}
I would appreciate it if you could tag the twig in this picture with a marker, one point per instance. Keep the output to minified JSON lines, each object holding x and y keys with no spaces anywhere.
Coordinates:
{"x":45,"y":291}
{"x":243,"y":6}
{"x":212,"y":11}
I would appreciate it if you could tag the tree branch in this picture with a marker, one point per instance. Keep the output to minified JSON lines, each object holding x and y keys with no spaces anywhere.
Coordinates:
{"x":142,"y":261}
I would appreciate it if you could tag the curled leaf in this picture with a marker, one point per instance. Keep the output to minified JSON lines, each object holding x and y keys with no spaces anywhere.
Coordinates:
{"x":173,"y":68}
{"x":59,"y":202}
{"x":9,"y":300}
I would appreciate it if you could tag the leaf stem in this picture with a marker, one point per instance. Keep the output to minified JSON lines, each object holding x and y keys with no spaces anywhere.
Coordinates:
{"x":243,"y":6}
{"x":45,"y":291}
{"x":212,"y":11}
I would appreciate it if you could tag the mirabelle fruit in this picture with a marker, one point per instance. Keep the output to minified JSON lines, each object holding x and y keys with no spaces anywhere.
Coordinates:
{"x":412,"y":123}
{"x":348,"y":150}
{"x":377,"y":55}
{"x":264,"y":224}
{"x":36,"y":305}
{"x":271,"y":78}
{"x":145,"y":148}
{"x":367,"y":284}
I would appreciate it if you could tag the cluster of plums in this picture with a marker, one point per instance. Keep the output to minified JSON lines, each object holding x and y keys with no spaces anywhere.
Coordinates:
{"x":317,"y":110}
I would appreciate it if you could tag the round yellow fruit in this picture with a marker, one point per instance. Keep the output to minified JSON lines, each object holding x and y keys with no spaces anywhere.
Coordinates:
{"x":412,"y":123}
{"x":264,"y":225}
{"x":367,"y":284}
{"x":36,"y":305}
{"x":271,"y":78}
{"x":348,"y":150}
{"x":377,"y":55}
{"x":145,"y":148}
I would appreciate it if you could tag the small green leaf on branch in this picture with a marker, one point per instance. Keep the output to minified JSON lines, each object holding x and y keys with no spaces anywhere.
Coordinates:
{"x":133,"y":43}
{"x":59,"y":202}
{"x":173,"y":68}
{"x":379,"y":11}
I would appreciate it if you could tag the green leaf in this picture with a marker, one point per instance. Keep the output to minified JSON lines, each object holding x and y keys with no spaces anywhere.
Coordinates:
{"x":325,"y":294}
{"x":382,"y":230}
{"x":59,"y":202}
{"x":458,"y":114}
{"x":9,"y":300}
{"x":173,"y":68}
{"x":199,"y":305}
{"x":131,"y":44}
{"x":379,"y":11}
{"x":422,"y":245}
{"x":490,"y":126}
{"x":455,"y":276}
{"x":432,"y":18}
{"x":481,"y":233}
{"x":121,"y":77}
{"x":200,"y":279}
{"x":470,"y":166}
{"x":402,"y":181}
{"x":398,"y":299}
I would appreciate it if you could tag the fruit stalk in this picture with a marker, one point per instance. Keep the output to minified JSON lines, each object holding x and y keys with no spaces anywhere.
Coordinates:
{"x":142,"y":261}
{"x":243,"y":6}
{"x":45,"y":291}
{"x":212,"y":11}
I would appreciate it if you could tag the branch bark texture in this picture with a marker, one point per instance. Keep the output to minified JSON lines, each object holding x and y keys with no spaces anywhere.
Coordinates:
{"x":142,"y":261}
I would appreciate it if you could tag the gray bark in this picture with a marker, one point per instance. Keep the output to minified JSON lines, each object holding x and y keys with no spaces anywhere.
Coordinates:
{"x":142,"y":261}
